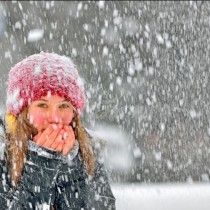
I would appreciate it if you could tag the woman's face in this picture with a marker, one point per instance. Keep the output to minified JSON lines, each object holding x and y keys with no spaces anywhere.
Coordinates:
{"x":50,"y":110}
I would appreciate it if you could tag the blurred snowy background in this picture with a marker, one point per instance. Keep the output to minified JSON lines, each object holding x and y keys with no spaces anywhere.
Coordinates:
{"x":146,"y":71}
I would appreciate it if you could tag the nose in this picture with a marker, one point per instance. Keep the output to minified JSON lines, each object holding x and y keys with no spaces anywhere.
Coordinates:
{"x":53,"y":116}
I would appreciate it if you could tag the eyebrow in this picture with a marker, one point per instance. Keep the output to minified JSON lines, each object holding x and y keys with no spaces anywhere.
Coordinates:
{"x":43,"y":100}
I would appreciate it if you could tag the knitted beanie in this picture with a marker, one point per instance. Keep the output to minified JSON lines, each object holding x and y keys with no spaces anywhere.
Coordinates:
{"x":40,"y":75}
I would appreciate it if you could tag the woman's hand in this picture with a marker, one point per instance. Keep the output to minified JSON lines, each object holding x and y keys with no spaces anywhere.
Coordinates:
{"x":69,"y":140}
{"x":56,"y":137}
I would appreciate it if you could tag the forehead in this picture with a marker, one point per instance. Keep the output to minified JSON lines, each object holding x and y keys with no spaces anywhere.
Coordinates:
{"x":52,"y":99}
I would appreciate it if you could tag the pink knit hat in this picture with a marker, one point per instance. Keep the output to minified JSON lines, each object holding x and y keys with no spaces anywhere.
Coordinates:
{"x":41,"y":74}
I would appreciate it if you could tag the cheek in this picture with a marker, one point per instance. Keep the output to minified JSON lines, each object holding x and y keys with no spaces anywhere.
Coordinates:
{"x":67,"y":118}
{"x":37,"y":119}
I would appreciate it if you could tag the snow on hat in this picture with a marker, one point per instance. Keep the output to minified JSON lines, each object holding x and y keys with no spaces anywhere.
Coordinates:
{"x":41,"y":74}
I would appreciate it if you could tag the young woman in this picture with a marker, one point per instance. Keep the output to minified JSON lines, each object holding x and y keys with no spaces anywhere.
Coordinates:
{"x":48,"y":159}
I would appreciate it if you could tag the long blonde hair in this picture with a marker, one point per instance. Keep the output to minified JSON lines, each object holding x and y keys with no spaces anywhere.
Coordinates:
{"x":19,"y":131}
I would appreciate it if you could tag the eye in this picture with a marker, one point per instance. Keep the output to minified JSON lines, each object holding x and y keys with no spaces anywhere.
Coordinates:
{"x":42,"y":105}
{"x":64,"y":106}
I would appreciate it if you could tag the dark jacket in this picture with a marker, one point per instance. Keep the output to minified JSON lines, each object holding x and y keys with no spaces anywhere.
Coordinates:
{"x":50,"y":180}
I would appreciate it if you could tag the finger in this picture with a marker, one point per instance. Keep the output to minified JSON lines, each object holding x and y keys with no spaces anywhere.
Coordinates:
{"x":44,"y":134}
{"x":69,"y":141}
{"x":71,"y":136}
{"x":56,"y":142}
{"x":36,"y":137}
{"x":51,"y":138}
{"x":69,"y":129}
{"x":58,"y":139}
{"x":59,"y":148}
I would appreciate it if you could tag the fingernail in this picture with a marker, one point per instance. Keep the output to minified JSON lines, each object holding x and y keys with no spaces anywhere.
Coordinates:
{"x":65,"y":135}
{"x":54,"y":126}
